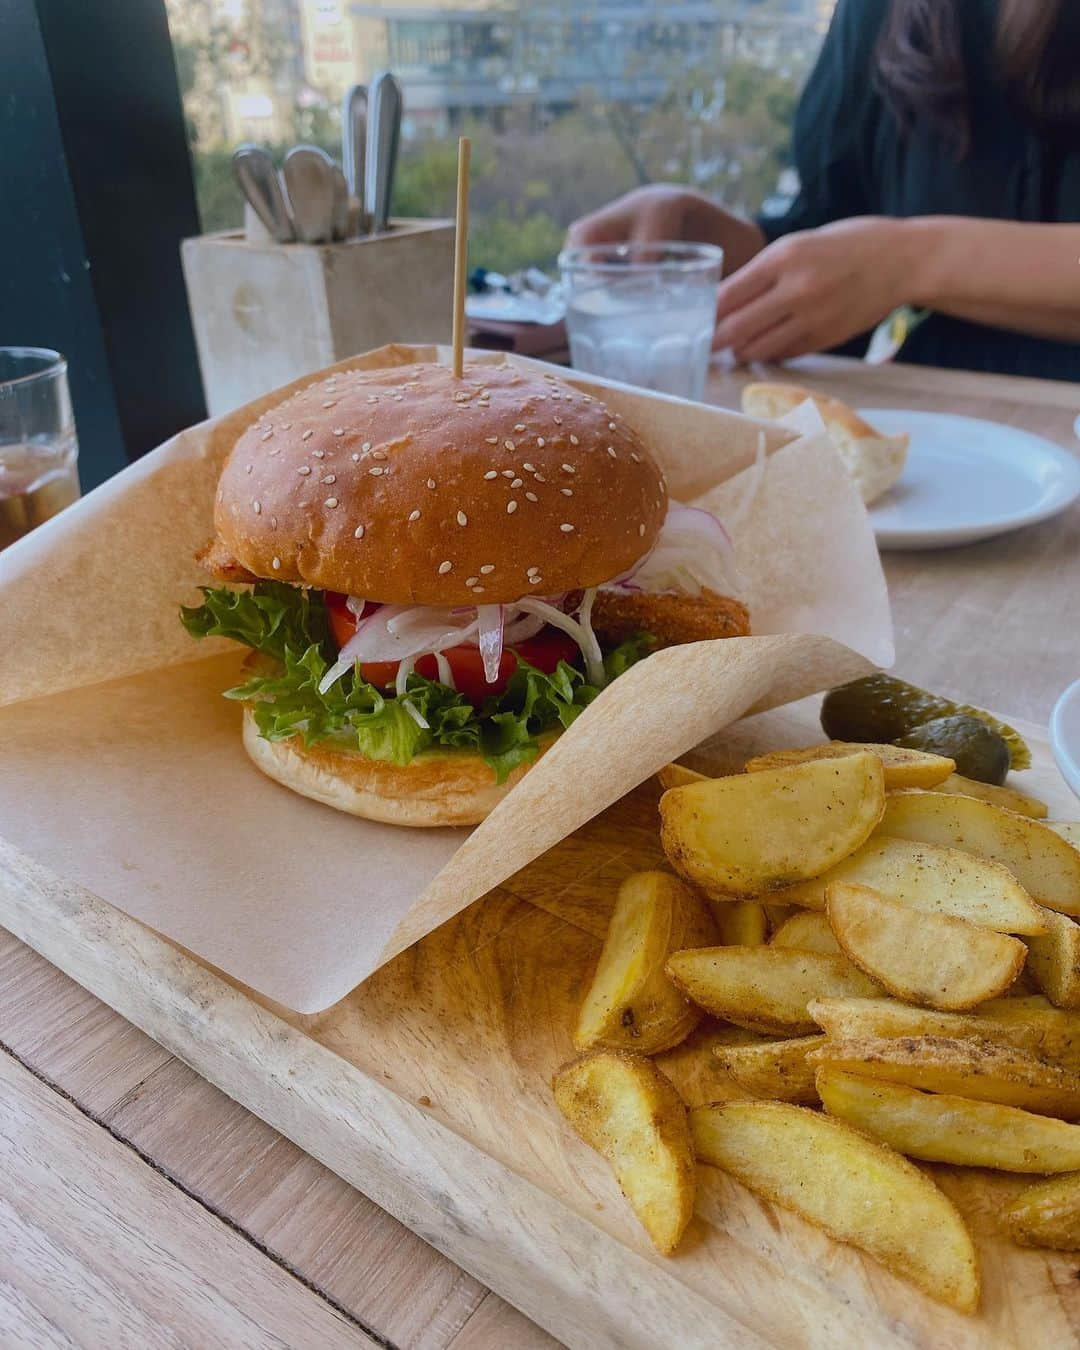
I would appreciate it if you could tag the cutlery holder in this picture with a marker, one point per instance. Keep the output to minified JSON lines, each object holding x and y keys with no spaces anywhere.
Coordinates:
{"x":265,"y":314}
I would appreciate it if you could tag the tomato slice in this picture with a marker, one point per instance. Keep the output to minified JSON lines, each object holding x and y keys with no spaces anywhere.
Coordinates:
{"x":544,"y":651}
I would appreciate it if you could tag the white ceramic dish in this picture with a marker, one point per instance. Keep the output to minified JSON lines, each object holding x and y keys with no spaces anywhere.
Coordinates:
{"x":1065,"y":735}
{"x":967,"y":479}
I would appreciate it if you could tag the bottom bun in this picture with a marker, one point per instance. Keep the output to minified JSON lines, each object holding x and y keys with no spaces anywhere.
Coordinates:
{"x":436,"y":788}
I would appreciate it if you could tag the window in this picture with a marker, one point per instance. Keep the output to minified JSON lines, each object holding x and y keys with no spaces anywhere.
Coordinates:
{"x":569,"y":102}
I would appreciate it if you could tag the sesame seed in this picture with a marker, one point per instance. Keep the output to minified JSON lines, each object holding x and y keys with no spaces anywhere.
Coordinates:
{"x":471,"y":581}
{"x":460,"y":396}
{"x":399,"y":398}
{"x":477,"y":590}
{"x":462,"y":518}
{"x":491,"y":473}
{"x":529,"y":468}
{"x":445,"y":567}
{"x":275,"y":563}
{"x":256,"y":506}
{"x":267,"y":434}
{"x":286,"y":426}
{"x":307,"y":435}
{"x":566,"y":528}
{"x":371,"y":398}
{"x":414,"y":515}
{"x":431,"y":483}
{"x":539,"y":478}
{"x":355,"y":457}
{"x":509,"y":444}
{"x":329,"y":402}
{"x":375,"y":470}
{"x":508,"y":473}
{"x":304,"y":469}
{"x":366,"y":447}
{"x":541,"y":442}
{"x":330,"y":501}
{"x":520,"y":426}
{"x":358,"y":533}
{"x":635,"y":456}
{"x":273,"y":522}
{"x":567,"y":492}
{"x":319,"y":454}
{"x":641,"y":531}
{"x":248,"y":468}
{"x":531,"y":497}
{"x":558,"y":421}
{"x":517,"y":482}
{"x":330,"y":478}
{"x":611,"y":452}
{"x":487,"y":569}
{"x":568,"y":468}
{"x":339,"y":431}
{"x":534,"y":581}
{"x":378,"y":454}
{"x":511,"y":507}
{"x":573,"y":439}
{"x":611,"y":426}
{"x":492,"y":440}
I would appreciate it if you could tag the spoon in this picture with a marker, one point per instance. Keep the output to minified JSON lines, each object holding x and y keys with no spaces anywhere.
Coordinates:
{"x":383,"y":134}
{"x":309,"y":181}
{"x":258,"y":180}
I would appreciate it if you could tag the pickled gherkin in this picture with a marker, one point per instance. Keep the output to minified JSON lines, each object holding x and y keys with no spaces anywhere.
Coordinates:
{"x":979,"y":751}
{"x":882,"y":708}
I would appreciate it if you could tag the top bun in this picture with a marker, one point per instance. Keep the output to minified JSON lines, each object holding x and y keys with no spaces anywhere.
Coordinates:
{"x":410,"y":486}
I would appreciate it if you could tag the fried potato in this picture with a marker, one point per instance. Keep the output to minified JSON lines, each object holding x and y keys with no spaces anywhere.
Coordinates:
{"x":979,"y":1069}
{"x":1047,"y":866}
{"x":1054,"y":960}
{"x":938,"y":1127}
{"x":1007,"y":797}
{"x":934,"y":879}
{"x":933,"y":959}
{"x":778,"y":915}
{"x":1030,"y":1024}
{"x":775,"y":1070}
{"x":857,"y":1190}
{"x":631,"y":1004}
{"x":1047,"y":1214}
{"x":902,"y":768}
{"x":766,"y":988}
{"x":1068,"y":829}
{"x":694,"y":1069}
{"x":753,"y":832}
{"x":678,"y":775}
{"x":624,"y":1107}
{"x":742,"y":923}
{"x":808,"y":931}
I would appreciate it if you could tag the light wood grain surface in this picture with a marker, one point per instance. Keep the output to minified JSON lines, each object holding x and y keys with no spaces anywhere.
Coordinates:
{"x":264,"y":1242}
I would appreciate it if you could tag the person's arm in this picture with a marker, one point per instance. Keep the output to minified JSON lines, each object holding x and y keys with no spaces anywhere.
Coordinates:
{"x":814,"y":290}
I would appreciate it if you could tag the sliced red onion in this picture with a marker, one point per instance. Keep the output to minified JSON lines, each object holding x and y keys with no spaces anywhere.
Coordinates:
{"x":355,"y":606}
{"x":522,"y":628}
{"x":692,"y":550}
{"x":490,"y":628}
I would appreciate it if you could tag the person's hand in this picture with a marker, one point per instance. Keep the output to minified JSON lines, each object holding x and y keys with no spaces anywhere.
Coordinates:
{"x":664,"y":211}
{"x":812,"y":290}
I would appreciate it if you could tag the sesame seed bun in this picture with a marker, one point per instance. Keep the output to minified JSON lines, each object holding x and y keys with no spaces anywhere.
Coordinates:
{"x":409,"y":486}
{"x":436,"y":788}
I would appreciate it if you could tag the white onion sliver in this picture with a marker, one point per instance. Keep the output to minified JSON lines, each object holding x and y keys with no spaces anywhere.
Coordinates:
{"x":355,"y":606}
{"x":446,"y":675}
{"x":490,"y":627}
{"x":594,"y":668}
{"x":401,"y":679}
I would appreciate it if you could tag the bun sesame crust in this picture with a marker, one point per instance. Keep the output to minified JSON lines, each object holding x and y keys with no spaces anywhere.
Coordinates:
{"x":409,"y":486}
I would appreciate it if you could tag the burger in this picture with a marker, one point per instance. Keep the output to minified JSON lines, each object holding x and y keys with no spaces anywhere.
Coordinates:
{"x":437,"y":574}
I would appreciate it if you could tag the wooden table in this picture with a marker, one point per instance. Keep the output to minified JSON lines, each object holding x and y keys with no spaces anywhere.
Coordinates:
{"x":140,"y":1206}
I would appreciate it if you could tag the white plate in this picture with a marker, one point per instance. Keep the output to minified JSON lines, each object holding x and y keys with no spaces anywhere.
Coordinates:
{"x":966,"y":479}
{"x":1065,"y":735}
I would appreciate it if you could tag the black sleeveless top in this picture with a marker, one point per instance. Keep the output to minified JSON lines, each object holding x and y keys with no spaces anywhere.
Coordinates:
{"x":854,"y":159}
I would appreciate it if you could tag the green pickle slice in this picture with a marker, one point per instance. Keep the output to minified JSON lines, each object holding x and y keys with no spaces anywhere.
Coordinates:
{"x":882,"y":708}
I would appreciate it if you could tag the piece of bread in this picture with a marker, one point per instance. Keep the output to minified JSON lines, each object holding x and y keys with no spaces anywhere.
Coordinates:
{"x":436,"y":788}
{"x":874,"y":461}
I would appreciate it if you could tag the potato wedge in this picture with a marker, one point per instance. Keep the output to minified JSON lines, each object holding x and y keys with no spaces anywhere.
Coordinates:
{"x":631,"y":1004}
{"x":624,"y":1107}
{"x":1007,"y":797}
{"x":775,"y":1070}
{"x":778,"y":915}
{"x":694,"y":1069}
{"x":1068,"y":829}
{"x":935,"y":880}
{"x":754,"y":832}
{"x":1047,"y":866}
{"x":938,"y":1127}
{"x":1047,"y":1214}
{"x":766,"y":988}
{"x":979,"y":1069}
{"x":902,"y":768}
{"x":933,"y":959}
{"x":1054,"y":960}
{"x":742,"y":923}
{"x":857,"y":1190}
{"x":1030,"y":1024}
{"x":808,"y":931}
{"x":678,"y":775}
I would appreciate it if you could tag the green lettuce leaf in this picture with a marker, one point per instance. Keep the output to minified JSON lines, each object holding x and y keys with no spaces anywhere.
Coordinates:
{"x":288,"y":627}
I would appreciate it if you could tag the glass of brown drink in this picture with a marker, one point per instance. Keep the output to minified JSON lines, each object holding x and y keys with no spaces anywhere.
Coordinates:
{"x":39,"y":473}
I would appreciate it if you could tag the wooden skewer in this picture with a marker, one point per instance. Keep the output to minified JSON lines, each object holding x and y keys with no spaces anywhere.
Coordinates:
{"x":461,"y":250}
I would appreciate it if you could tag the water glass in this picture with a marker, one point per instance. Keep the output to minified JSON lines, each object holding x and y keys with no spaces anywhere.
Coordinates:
{"x":39,"y":473}
{"x":643,"y":313}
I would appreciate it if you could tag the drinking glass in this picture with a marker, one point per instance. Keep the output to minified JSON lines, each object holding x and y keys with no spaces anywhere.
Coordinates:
{"x":643,"y":313}
{"x":39,"y":473}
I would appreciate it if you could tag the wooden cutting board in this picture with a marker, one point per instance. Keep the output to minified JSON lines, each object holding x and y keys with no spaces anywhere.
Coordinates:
{"x":427,"y":1088}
